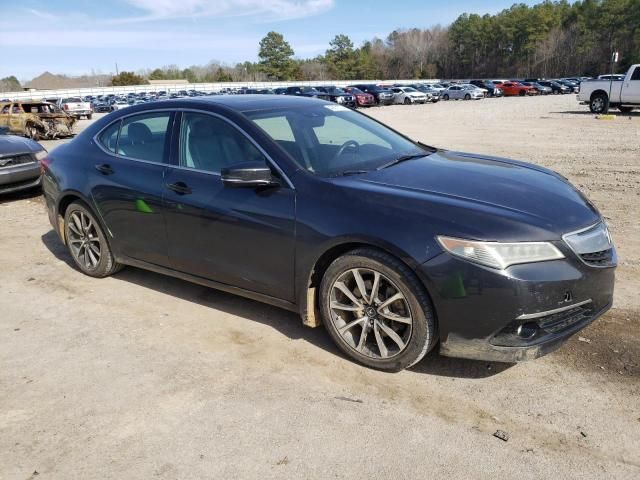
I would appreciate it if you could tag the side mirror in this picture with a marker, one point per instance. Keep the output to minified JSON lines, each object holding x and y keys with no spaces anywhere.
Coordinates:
{"x":248,"y":174}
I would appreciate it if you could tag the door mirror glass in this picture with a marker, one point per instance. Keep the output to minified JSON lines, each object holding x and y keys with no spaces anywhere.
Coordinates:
{"x":248,"y":174}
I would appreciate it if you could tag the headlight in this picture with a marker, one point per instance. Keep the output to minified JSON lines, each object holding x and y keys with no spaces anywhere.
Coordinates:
{"x":41,"y":154}
{"x":500,"y":255}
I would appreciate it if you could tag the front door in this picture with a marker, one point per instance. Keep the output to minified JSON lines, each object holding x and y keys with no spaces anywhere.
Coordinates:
{"x":126,"y":182}
{"x":238,"y":236}
{"x":631,"y":88}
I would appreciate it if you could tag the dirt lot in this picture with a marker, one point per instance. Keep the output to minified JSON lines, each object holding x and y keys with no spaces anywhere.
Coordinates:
{"x":143,"y":376}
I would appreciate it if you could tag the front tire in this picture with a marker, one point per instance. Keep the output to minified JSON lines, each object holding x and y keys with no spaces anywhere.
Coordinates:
{"x":87,"y":243}
{"x":376,"y":310}
{"x":467,"y":97}
{"x":599,"y":103}
{"x":407,"y":101}
{"x":445,"y":97}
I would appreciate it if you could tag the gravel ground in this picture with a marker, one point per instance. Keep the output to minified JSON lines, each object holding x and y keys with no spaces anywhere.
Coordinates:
{"x":144,"y":376}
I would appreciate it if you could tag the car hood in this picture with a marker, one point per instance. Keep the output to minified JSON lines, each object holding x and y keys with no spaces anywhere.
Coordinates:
{"x":12,"y":145}
{"x":490,"y":185}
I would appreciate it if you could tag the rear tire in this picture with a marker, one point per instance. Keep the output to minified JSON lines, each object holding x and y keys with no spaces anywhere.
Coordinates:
{"x":87,"y":242}
{"x":393,"y":340}
{"x":599,"y":103}
{"x":89,"y":116}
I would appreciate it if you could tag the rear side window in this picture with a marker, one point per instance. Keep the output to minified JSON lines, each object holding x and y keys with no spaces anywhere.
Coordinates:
{"x":145,"y":136}
{"x":209,"y":143}
{"x":636,"y":74}
{"x":109,"y":137}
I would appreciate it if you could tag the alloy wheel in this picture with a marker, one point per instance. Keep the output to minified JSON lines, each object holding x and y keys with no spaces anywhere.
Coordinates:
{"x":83,"y":240}
{"x":597,"y":104}
{"x":370,"y":313}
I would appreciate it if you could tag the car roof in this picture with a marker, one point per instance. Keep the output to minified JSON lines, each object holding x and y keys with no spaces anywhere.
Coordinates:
{"x":248,"y":102}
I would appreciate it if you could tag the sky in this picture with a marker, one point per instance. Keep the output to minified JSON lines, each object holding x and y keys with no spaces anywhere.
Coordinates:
{"x":75,"y":37}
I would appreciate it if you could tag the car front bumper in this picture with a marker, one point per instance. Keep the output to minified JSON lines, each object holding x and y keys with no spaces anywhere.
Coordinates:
{"x":517,"y":314}
{"x":19,"y":177}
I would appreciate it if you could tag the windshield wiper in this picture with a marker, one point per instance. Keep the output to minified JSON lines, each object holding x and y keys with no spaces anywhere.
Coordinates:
{"x":350,"y":172}
{"x":403,"y":158}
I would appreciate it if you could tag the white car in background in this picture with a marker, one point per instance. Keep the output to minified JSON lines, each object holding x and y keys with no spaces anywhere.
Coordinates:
{"x":408,"y":95}
{"x":119,"y":105}
{"x":462,"y":91}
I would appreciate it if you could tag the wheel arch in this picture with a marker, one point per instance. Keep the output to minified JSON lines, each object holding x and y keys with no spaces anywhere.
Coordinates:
{"x":597,"y":92}
{"x":66,"y":199}
{"x":308,"y":293}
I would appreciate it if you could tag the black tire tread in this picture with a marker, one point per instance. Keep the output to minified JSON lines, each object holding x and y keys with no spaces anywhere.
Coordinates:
{"x":111,"y":266}
{"x":416,"y":288}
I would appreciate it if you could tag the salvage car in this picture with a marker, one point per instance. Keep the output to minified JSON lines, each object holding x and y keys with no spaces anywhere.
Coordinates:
{"x":408,"y":95}
{"x":19,"y":162}
{"x":36,"y":120}
{"x":338,"y":95}
{"x":362,"y":99}
{"x":463,"y":91}
{"x":310,"y":92}
{"x":511,"y":89}
{"x":395,"y":246}
{"x":382,"y":96}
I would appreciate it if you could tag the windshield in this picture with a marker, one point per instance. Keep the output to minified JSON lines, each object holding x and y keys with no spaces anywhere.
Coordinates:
{"x":410,"y":89}
{"x":331,"y":140}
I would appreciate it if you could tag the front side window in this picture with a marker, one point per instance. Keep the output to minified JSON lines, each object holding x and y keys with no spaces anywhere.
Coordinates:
{"x":145,"y":136}
{"x":209,"y":143}
{"x":331,"y":140}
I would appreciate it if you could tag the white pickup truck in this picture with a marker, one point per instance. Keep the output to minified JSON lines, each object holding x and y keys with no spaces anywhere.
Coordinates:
{"x":75,"y":107}
{"x":603,"y":94}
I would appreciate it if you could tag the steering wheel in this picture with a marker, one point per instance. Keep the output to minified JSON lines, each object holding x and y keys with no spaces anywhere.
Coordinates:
{"x":344,"y":146}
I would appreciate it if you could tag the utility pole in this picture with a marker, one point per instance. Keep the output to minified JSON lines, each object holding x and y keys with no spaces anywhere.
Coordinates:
{"x":117,"y":69}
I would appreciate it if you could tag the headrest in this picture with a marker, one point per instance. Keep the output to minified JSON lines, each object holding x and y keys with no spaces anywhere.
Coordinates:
{"x":203,"y":128}
{"x":139,"y":133}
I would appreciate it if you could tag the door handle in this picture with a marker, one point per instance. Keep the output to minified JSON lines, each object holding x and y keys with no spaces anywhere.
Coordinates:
{"x":180,"y":188}
{"x":104,"y":168}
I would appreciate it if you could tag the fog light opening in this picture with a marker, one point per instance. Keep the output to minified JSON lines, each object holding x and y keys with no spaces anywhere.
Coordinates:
{"x":527,"y":330}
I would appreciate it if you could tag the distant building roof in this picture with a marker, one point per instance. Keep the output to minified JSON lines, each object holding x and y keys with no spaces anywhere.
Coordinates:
{"x":165,"y":82}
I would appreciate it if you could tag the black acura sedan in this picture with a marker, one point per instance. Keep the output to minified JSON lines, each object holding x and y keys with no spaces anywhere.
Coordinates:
{"x":394,"y":246}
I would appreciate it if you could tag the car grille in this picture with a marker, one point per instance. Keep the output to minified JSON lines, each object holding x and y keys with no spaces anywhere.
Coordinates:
{"x":557,"y":322}
{"x":17,"y":160}
{"x":602,"y":258}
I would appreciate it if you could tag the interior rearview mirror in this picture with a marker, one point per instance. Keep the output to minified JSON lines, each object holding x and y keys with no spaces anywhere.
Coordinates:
{"x":248,"y":174}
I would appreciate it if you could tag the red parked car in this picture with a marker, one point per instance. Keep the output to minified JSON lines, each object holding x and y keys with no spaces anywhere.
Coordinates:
{"x":362,"y":99}
{"x":516,"y":88}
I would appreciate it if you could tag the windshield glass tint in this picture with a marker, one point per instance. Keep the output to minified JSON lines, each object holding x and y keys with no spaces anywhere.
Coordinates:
{"x":333,"y":140}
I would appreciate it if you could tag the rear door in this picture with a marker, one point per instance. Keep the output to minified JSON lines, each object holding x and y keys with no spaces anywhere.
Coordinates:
{"x":243,"y":237}
{"x":631,"y":87}
{"x":126,"y":183}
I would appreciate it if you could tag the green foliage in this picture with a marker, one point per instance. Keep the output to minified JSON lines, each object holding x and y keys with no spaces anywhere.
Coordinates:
{"x":127,"y":78}
{"x":276,"y":57}
{"x":10,"y":84}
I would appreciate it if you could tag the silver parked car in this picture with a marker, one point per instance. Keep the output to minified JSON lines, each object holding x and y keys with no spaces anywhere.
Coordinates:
{"x":462,"y":92}
{"x":19,"y":162}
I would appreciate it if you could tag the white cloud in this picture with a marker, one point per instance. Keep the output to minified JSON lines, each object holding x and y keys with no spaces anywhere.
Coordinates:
{"x":121,"y":39}
{"x":265,"y":9}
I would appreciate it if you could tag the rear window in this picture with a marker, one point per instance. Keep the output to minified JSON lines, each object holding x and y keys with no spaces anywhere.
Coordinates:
{"x":72,"y":100}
